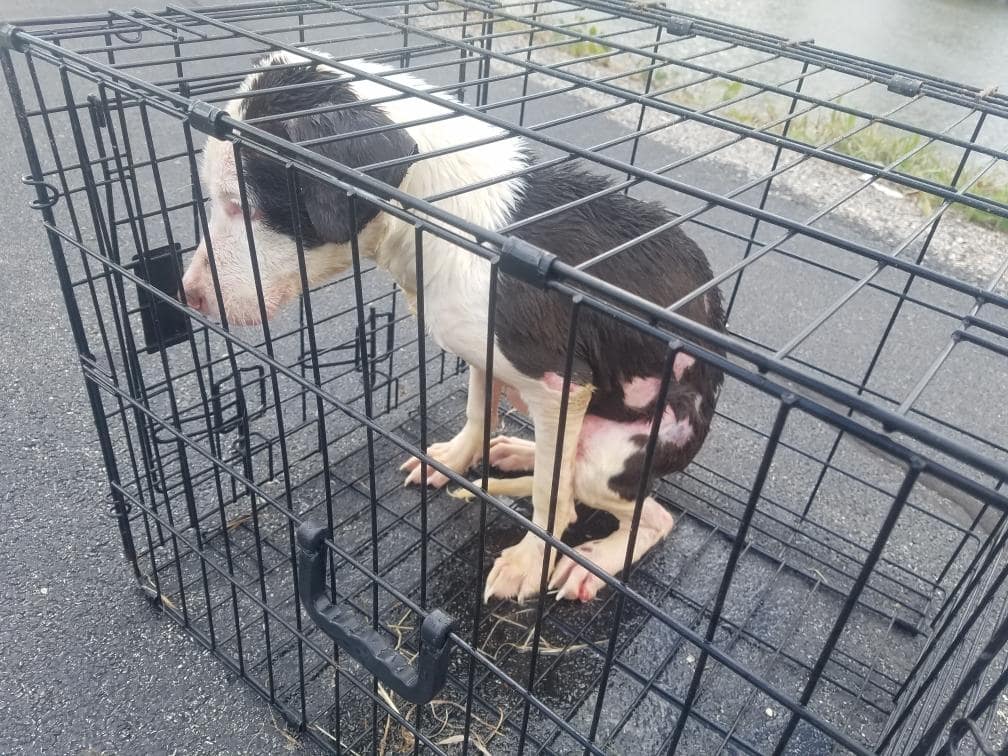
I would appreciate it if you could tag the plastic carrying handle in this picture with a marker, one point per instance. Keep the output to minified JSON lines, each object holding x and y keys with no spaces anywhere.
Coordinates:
{"x":418,"y":683}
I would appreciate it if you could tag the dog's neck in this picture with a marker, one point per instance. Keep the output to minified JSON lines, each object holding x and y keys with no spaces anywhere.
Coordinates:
{"x":455,"y":280}
{"x":391,"y":242}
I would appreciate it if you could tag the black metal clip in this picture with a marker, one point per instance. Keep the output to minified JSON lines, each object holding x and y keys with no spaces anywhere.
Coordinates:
{"x":526,"y":261}
{"x":205,"y":117}
{"x":9,"y":37}
{"x":680,"y":26}
{"x":905,"y":86}
{"x":48,"y":195}
{"x":417,"y":683}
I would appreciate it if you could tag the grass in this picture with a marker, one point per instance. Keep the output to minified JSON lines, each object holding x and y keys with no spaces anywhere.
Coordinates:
{"x":903,"y":151}
{"x":877,"y":144}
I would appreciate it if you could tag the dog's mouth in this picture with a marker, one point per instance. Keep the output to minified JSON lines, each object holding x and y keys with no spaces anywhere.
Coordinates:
{"x":245,"y":314}
{"x":250,"y":313}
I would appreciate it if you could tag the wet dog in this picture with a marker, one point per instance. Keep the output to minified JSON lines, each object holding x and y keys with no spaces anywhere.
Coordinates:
{"x":481,"y":174}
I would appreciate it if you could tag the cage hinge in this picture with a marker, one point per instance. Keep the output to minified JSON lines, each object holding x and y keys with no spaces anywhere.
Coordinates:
{"x":526,"y":261}
{"x":117,"y":507}
{"x":680,"y":26}
{"x":905,"y":86}
{"x":205,"y":117}
{"x":46,"y":195}
{"x":9,"y":37}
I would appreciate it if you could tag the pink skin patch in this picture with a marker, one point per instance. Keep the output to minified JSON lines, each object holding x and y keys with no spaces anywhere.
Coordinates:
{"x":599,"y":430}
{"x":640,"y":392}
{"x":637,"y":394}
{"x":515,"y":400}
{"x":681,"y":364}
{"x":672,"y":431}
{"x":555,"y":381}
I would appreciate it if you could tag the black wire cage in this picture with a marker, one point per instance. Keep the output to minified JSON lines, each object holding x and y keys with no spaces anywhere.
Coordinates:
{"x":835,"y":579}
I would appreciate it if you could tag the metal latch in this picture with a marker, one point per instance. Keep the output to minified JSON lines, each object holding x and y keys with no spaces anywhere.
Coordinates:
{"x":680,"y":26}
{"x":9,"y":37}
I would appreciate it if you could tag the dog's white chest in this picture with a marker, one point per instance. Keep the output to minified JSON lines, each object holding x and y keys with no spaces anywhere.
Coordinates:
{"x":456,"y":309}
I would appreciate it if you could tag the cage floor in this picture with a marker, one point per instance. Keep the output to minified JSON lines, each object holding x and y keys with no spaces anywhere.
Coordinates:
{"x":776,"y":618}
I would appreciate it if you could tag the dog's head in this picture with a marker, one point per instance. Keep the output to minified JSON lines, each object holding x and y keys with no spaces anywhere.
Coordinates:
{"x":322,"y":109}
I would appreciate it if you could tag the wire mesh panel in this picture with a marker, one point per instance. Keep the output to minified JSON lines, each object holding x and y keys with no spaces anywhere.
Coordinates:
{"x":834,"y":579}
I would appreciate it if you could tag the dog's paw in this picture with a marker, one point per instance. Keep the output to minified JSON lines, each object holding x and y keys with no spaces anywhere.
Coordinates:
{"x":512,"y":454}
{"x":517,"y":572}
{"x":459,"y":455}
{"x":572,"y":581}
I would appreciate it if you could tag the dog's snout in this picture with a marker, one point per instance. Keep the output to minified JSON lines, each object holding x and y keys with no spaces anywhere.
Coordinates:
{"x":195,"y":291}
{"x":196,"y":299}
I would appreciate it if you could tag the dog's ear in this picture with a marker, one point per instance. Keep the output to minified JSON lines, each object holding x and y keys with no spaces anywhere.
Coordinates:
{"x":326,"y":205}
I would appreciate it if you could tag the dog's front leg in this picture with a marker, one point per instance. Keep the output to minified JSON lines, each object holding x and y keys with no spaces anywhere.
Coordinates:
{"x":465,"y":449}
{"x":517,"y":572}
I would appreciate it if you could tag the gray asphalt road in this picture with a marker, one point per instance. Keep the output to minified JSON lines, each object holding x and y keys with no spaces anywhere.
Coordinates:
{"x":87,"y":667}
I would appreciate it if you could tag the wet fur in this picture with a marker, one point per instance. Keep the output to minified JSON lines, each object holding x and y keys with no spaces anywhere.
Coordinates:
{"x":606,"y":451}
{"x":532,"y":324}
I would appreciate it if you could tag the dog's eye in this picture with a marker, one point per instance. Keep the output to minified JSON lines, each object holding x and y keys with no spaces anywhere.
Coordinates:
{"x":234,"y":210}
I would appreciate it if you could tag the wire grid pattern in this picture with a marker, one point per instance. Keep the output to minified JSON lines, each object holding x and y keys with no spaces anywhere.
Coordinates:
{"x":836,"y":569}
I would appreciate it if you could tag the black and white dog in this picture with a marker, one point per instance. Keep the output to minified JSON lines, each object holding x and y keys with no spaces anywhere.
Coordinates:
{"x":617,"y":371}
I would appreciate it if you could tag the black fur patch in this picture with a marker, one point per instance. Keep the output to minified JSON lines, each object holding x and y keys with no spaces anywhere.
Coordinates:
{"x":532,"y":323}
{"x":324,"y":208}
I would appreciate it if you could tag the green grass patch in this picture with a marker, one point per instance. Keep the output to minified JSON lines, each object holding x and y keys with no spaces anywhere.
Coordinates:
{"x":843,"y":133}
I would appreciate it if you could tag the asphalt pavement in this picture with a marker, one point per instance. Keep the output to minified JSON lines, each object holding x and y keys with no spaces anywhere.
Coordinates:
{"x":86,"y":667}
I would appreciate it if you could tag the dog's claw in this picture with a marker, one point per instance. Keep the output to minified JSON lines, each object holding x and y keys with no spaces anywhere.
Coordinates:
{"x":516,"y":573}
{"x":574,"y":582}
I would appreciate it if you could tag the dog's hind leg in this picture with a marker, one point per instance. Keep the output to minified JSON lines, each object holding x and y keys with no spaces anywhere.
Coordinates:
{"x":464,"y":450}
{"x":517,"y":571}
{"x":516,"y":488}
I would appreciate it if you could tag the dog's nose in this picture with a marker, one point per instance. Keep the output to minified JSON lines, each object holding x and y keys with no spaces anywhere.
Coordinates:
{"x":196,"y":299}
